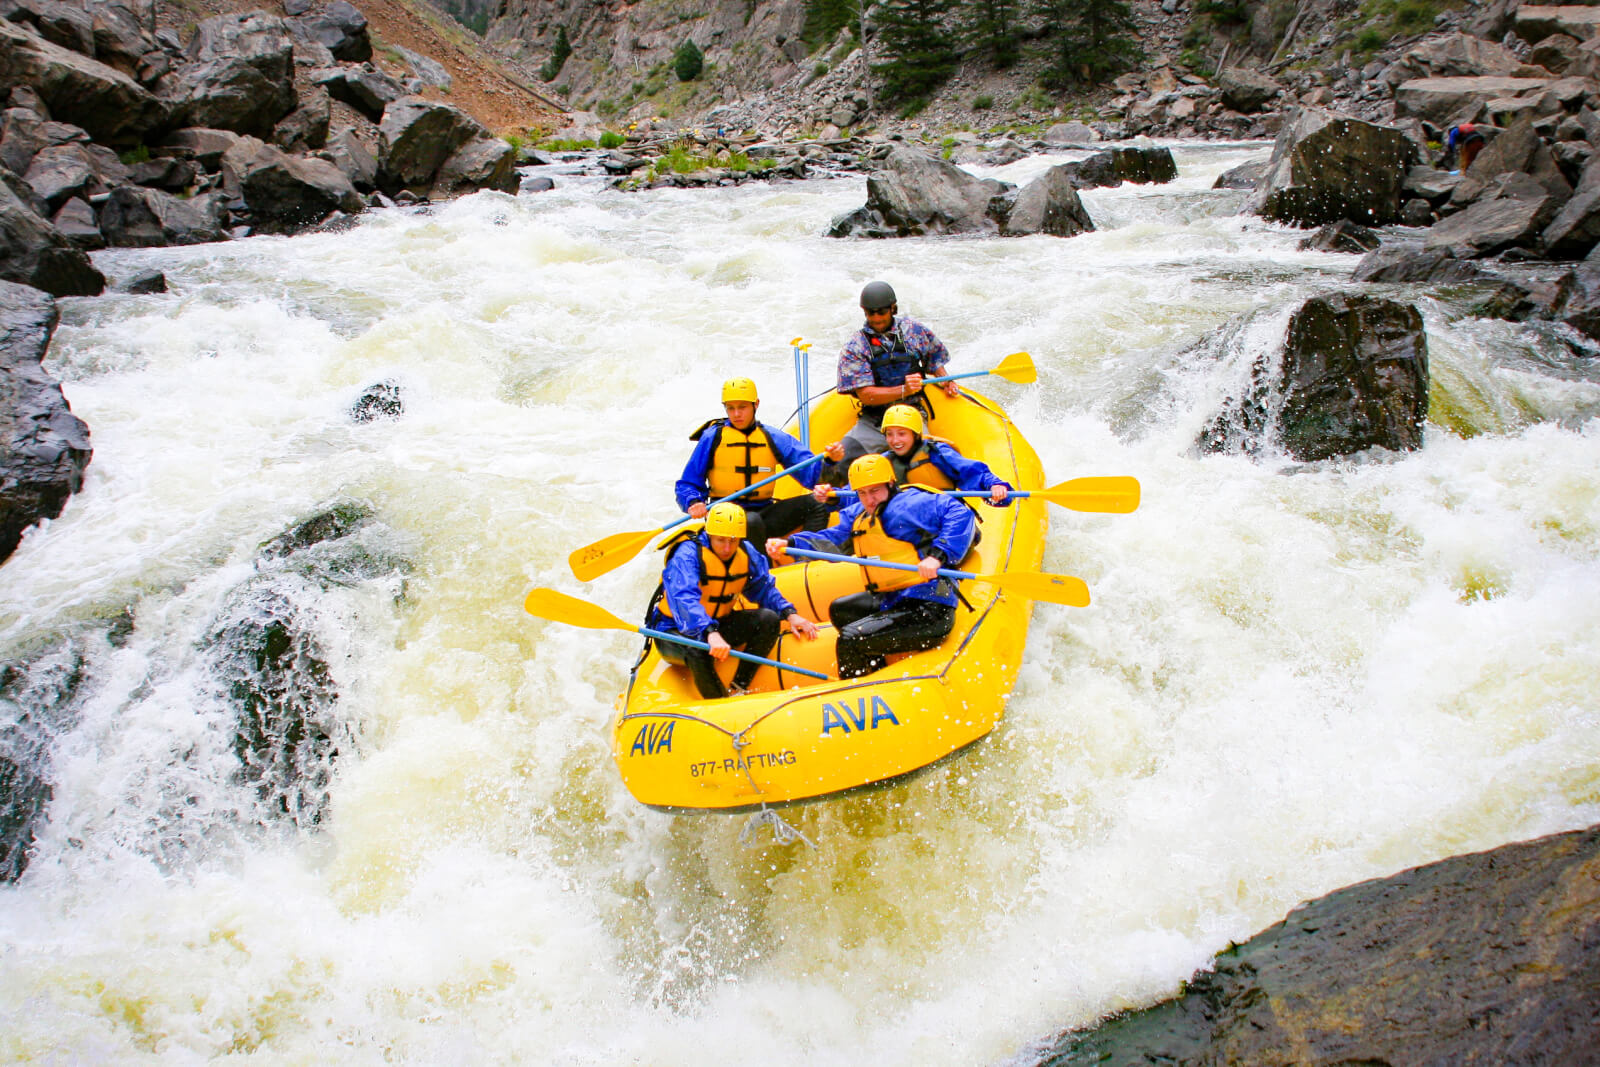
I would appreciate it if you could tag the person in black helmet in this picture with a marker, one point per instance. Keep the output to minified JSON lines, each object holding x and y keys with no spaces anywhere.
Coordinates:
{"x":883,"y":364}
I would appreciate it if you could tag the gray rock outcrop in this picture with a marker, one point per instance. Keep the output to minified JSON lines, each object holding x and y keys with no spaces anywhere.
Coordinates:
{"x":33,"y":252}
{"x":44,"y":447}
{"x":1487,"y":958}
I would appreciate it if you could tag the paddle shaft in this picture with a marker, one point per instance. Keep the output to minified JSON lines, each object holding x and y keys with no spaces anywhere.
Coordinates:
{"x":802,"y":465}
{"x":872,"y":561}
{"x":679,"y":639}
{"x":955,"y":377}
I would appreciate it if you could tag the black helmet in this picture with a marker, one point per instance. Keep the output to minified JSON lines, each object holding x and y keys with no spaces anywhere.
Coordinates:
{"x":877,"y":295}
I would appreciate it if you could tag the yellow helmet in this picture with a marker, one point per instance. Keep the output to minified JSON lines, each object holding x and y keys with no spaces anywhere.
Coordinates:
{"x":904,"y":416}
{"x":871,"y":470}
{"x":736,"y":389}
{"x":726,"y":520}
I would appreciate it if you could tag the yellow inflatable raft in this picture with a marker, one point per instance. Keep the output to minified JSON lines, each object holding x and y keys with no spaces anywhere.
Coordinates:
{"x":794,"y":738}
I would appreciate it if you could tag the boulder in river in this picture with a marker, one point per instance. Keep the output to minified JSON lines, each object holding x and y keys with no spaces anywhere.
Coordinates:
{"x":1352,"y":375}
{"x":913,"y":194}
{"x":1326,"y":167}
{"x":1488,"y":958}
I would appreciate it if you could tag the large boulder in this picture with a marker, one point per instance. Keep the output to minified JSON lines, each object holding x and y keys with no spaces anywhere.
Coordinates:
{"x":33,"y":252}
{"x":339,"y":28}
{"x":239,"y":75}
{"x":135,"y":217}
{"x":44,"y":447}
{"x":416,"y":137}
{"x":111,"y":106}
{"x":1457,"y":55}
{"x":913,"y":194}
{"x":284,"y":193}
{"x":60,"y":172}
{"x":1512,"y":213}
{"x":1353,"y":375}
{"x":1447,"y":101}
{"x":1141,"y":166}
{"x":1246,"y":91}
{"x":1534,"y":22}
{"x":1487,"y":958}
{"x":481,"y":163}
{"x":1050,"y":205}
{"x":1326,"y":167}
{"x":1575,"y":230}
{"x":365,"y":88}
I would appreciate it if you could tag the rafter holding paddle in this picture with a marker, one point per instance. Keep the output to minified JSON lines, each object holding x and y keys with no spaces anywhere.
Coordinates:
{"x":609,"y":553}
{"x":1035,"y":585}
{"x":560,"y":607}
{"x":1017,"y":367}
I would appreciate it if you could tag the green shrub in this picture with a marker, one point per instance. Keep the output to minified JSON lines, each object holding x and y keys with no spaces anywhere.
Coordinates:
{"x":982,"y":102}
{"x":688,"y":62}
{"x":612,"y":139}
{"x":819,"y":70}
{"x":140,"y":154}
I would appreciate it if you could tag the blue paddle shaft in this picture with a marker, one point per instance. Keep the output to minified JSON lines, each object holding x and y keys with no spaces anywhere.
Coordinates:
{"x":955,"y":377}
{"x":873,"y":561}
{"x":679,"y":639}
{"x":951,"y":492}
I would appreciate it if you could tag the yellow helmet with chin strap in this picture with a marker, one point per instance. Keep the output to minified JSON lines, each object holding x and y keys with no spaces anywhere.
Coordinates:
{"x":869,"y":471}
{"x":726,"y":520}
{"x":739,"y":389}
{"x":904,"y":416}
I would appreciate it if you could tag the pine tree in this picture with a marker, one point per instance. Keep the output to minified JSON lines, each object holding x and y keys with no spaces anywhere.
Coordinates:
{"x":991,"y":28}
{"x":558,"y":56}
{"x":1092,"y":41}
{"x":687,"y":61}
{"x":919,"y":46}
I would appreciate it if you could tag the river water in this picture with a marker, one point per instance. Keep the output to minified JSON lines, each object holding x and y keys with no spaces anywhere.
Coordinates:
{"x":1291,"y":678}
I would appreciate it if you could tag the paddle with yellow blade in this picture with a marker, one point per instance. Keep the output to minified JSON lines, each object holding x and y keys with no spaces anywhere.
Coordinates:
{"x":609,"y":553}
{"x":1113,"y":495}
{"x":1017,"y":367}
{"x":1117,"y":495}
{"x":559,"y":607}
{"x":1035,"y":585}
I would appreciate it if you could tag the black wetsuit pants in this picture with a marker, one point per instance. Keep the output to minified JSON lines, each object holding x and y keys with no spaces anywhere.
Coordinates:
{"x":867,"y":632}
{"x":753,"y":630}
{"x":783,"y":517}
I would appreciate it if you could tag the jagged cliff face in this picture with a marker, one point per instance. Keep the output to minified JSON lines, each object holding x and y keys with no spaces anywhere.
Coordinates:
{"x":622,"y":52}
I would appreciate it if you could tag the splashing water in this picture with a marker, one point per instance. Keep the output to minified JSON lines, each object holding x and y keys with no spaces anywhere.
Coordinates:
{"x":1292,"y":677}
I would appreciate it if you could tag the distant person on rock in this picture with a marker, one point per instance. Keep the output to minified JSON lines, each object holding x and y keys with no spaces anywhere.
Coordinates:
{"x":1462,"y":144}
{"x":738,"y":451}
{"x":883,"y":364}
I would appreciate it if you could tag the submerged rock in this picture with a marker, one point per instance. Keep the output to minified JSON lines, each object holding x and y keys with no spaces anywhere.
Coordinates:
{"x":36,"y":702}
{"x":1487,"y":958}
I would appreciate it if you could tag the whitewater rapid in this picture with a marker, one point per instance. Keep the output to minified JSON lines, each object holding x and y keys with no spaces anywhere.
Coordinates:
{"x":1291,"y":677}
